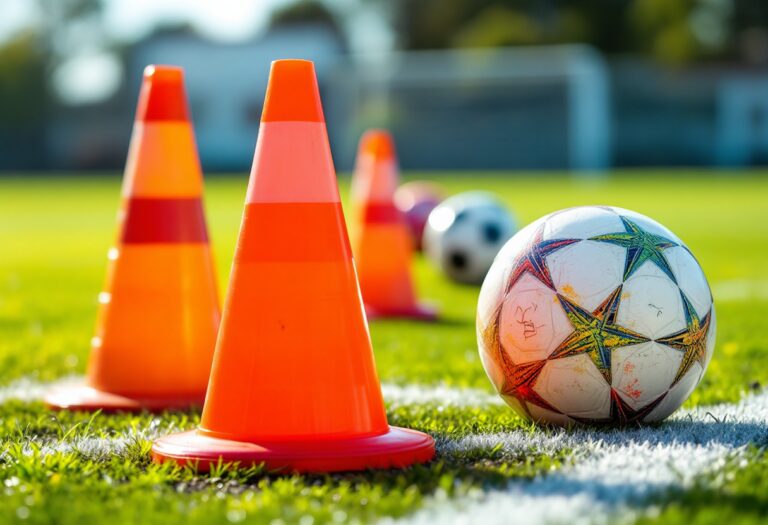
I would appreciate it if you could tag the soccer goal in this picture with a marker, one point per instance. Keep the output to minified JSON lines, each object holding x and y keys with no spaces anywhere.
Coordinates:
{"x":742,"y":121}
{"x":512,"y":108}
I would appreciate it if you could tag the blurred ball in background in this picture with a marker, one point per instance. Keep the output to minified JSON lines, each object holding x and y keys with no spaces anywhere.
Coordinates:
{"x":465,"y":232}
{"x":416,"y":200}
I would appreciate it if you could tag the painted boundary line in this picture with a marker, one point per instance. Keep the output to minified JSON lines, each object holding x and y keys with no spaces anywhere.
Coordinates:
{"x":613,"y":472}
{"x":30,"y":390}
{"x":610,"y":476}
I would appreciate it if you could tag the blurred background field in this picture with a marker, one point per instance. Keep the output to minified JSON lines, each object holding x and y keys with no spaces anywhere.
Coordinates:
{"x":490,"y":84}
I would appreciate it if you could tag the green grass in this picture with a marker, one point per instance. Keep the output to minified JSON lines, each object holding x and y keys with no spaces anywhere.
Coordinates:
{"x":54,"y":234}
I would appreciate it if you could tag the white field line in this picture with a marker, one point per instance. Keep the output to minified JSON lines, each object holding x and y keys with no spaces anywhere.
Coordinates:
{"x":612,"y":471}
{"x":29,"y":390}
{"x":438,"y":395}
{"x":95,"y":448}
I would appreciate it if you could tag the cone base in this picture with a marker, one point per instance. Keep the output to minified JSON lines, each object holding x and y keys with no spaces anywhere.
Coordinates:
{"x":89,"y":399}
{"x":418,"y":312}
{"x":398,"y":448}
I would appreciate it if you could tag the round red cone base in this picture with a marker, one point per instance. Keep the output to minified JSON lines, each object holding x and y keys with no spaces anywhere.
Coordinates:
{"x":89,"y":399}
{"x":397,"y":448}
{"x":418,"y":312}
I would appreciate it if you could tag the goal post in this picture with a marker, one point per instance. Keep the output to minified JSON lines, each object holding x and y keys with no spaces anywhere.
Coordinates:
{"x":510,"y":108}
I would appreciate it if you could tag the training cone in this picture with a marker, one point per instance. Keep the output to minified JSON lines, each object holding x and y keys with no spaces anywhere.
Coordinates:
{"x":159,"y":313}
{"x":293,"y":383}
{"x":382,"y":243}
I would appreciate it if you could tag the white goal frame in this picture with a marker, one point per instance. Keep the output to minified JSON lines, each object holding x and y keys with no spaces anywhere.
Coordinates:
{"x":580,"y":68}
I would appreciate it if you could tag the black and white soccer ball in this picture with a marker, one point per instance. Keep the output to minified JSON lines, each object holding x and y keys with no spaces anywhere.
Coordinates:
{"x":465,"y":232}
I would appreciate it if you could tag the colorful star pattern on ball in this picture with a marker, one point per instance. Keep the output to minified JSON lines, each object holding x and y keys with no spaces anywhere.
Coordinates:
{"x":596,"y":333}
{"x":622,"y":413}
{"x":692,"y":340}
{"x":625,"y":414}
{"x":519,"y":380}
{"x":534,"y":259}
{"x":579,"y":338}
{"x":641,"y":246}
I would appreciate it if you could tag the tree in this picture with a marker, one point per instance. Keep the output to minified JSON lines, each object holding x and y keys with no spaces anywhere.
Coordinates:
{"x":306,"y":12}
{"x":26,"y":60}
{"x":24,"y":99}
{"x":671,"y":31}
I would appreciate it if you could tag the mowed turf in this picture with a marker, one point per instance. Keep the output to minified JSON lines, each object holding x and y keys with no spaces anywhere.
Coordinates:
{"x":75,"y":468}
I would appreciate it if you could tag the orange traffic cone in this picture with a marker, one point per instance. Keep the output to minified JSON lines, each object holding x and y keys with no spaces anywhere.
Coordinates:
{"x":382,"y":244}
{"x":159,"y":315}
{"x":294,"y":383}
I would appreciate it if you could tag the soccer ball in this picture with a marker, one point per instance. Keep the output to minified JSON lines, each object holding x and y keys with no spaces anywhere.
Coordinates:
{"x":416,"y":200}
{"x":465,"y":232}
{"x":595,"y":315}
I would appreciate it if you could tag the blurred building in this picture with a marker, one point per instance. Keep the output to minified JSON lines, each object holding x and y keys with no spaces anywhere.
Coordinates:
{"x":559,"y":107}
{"x":225,"y":85}
{"x":707,"y":116}
{"x":521,"y":108}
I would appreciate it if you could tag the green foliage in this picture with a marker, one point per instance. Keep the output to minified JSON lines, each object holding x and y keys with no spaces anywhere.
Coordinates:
{"x":671,"y":31}
{"x":499,"y":26}
{"x":22,"y":82}
{"x":25,"y":100}
{"x":305,"y":12}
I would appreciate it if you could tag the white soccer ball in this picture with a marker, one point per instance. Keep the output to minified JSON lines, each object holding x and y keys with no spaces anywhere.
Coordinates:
{"x":596,"y":315}
{"x":465,"y":232}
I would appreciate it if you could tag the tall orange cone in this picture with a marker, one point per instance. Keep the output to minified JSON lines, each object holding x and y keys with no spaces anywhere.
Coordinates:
{"x":293,"y":383}
{"x":382,"y":244}
{"x":159,"y":315}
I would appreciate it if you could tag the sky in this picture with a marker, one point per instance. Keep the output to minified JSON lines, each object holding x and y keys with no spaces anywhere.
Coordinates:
{"x":219,"y":19}
{"x":130,"y":19}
